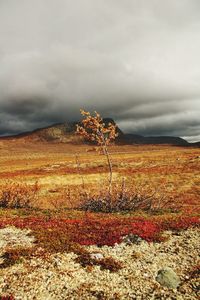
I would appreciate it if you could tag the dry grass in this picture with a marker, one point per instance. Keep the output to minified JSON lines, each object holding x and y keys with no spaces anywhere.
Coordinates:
{"x":18,"y":195}
{"x":54,"y":166}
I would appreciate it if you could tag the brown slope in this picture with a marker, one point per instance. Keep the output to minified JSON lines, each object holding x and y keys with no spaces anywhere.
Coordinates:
{"x":66,"y":133}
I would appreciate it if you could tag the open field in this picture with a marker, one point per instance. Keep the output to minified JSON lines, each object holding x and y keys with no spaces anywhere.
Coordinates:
{"x":57,"y":167}
{"x":50,"y":253}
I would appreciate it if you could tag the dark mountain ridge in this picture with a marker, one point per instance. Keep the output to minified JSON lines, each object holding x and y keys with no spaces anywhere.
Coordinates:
{"x":65,"y":133}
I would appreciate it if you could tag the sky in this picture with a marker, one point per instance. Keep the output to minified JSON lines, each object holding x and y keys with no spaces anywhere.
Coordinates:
{"x":136,"y":61}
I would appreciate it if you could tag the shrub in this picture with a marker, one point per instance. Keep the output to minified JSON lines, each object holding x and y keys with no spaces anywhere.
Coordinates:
{"x":181,"y":223}
{"x":126,"y":197}
{"x":10,"y":297}
{"x":16,"y":255}
{"x":15,"y":195}
{"x":108,"y":263}
{"x":12,"y":256}
{"x":195,"y":272}
{"x":65,"y":235}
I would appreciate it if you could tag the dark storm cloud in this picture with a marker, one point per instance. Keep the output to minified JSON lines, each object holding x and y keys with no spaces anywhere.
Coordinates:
{"x":135,"y":61}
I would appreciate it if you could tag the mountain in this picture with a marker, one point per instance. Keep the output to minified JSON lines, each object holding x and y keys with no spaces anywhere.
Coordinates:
{"x":196,"y":144}
{"x":139,"y":139}
{"x":65,"y":133}
{"x":60,"y":132}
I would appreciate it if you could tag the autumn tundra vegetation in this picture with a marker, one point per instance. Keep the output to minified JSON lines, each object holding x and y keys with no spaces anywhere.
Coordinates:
{"x":96,"y":192}
{"x":99,"y":175}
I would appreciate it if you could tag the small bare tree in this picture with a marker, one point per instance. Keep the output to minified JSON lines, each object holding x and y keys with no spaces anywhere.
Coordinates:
{"x":95,"y":130}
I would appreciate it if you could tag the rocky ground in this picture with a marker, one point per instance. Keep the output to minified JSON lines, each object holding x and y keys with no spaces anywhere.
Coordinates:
{"x":61,"y":277}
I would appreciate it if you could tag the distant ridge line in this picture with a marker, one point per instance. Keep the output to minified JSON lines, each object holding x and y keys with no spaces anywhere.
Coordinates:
{"x":65,"y":133}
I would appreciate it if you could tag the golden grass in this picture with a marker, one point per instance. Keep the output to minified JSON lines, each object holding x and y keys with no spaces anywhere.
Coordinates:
{"x":55,"y":167}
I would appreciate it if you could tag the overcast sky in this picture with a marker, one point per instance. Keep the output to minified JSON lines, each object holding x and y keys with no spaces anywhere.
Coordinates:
{"x":137,"y":61}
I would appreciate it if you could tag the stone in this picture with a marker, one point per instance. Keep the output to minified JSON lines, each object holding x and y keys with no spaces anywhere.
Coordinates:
{"x":167,"y":277}
{"x":132,"y":239}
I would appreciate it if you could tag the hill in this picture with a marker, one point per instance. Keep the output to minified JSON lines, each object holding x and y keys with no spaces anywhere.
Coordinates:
{"x":142,"y":140}
{"x":65,"y":133}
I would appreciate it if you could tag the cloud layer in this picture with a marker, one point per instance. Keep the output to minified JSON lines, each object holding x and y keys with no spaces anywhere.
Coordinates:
{"x":135,"y":61}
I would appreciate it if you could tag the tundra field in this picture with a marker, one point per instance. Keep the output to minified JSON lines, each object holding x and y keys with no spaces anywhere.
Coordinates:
{"x":58,"y":168}
{"x":51,"y":248}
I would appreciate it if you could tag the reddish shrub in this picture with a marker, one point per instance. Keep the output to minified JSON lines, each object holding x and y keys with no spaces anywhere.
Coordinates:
{"x":7,"y":298}
{"x":107,"y":263}
{"x":195,"y":272}
{"x":180,"y":223}
{"x":57,"y":234}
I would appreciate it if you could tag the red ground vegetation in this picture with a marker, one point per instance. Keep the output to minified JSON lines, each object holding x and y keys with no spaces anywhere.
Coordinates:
{"x":94,"y":230}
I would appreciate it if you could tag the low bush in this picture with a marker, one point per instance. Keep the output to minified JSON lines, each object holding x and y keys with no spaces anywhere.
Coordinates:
{"x":12,"y":256}
{"x":16,"y":255}
{"x":195,"y":272}
{"x":127,"y":197}
{"x":15,"y":195}
{"x":10,"y":297}
{"x":180,"y":223}
{"x":107,"y":263}
{"x":65,"y":235}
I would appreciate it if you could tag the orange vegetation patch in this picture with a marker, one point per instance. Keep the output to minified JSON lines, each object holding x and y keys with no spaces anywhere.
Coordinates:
{"x":59,"y":166}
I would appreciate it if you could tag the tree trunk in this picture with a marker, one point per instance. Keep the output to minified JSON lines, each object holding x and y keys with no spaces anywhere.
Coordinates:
{"x":110,"y":169}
